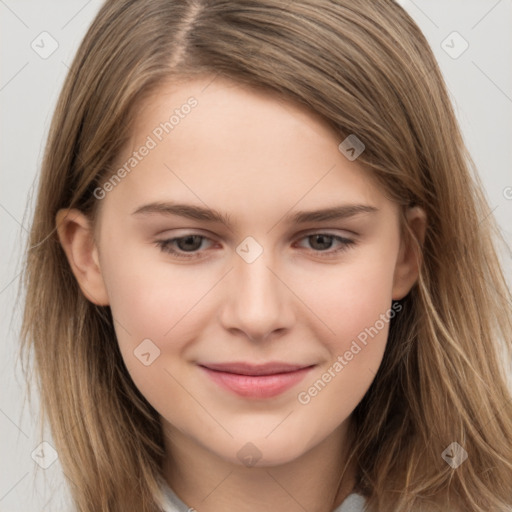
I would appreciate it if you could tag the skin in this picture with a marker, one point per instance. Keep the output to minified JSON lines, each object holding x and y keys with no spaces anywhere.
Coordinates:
{"x":257,"y":158}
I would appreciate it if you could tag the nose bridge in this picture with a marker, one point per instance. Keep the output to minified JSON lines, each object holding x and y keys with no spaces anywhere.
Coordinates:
{"x":257,"y":304}
{"x":257,"y":283}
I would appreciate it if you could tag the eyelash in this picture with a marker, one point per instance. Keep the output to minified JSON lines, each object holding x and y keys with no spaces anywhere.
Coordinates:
{"x":165,"y":246}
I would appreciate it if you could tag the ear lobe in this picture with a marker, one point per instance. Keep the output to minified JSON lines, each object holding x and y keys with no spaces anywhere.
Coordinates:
{"x":410,"y":254}
{"x":76,"y":237}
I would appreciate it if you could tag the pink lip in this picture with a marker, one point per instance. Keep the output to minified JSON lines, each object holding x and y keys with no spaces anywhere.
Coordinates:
{"x":256,"y":381}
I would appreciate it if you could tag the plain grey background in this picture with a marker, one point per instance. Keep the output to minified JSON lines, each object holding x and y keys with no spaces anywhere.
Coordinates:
{"x":39,"y":40}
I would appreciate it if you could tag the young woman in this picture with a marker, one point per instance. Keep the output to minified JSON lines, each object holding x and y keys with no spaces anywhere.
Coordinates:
{"x":262,"y":274}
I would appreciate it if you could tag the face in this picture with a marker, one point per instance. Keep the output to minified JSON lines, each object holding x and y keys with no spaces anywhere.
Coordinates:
{"x":253,"y":326}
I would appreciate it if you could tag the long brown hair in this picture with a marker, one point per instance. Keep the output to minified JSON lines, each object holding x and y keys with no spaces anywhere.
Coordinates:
{"x":366,"y":68}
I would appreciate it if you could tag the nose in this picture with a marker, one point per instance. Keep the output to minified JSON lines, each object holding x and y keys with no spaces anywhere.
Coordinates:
{"x":258,"y":303}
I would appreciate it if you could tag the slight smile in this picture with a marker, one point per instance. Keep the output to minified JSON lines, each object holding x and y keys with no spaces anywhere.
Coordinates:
{"x":256,"y":381}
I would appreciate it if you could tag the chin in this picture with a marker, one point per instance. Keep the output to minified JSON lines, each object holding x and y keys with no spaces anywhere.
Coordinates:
{"x":264,"y":452}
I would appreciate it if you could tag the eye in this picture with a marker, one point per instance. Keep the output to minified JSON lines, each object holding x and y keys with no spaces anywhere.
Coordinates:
{"x":187,"y":245}
{"x":322,"y":242}
{"x":190,"y":245}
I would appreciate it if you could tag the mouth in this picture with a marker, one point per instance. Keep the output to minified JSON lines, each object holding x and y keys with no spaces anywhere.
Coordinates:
{"x":256,"y":381}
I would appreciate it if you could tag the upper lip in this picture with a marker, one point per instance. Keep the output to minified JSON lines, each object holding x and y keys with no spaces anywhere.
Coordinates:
{"x":242,"y":368}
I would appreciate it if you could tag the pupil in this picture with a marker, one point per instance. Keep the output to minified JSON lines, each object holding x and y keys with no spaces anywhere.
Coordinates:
{"x":190,"y":239}
{"x":322,"y":239}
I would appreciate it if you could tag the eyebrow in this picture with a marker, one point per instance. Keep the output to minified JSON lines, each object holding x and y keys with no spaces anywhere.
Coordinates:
{"x":194,"y":212}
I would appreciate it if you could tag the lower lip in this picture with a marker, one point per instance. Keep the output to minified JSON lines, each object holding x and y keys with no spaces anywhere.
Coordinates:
{"x":257,"y":386}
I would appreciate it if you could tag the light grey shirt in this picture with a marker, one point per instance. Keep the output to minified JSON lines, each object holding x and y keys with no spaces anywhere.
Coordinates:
{"x":352,"y":503}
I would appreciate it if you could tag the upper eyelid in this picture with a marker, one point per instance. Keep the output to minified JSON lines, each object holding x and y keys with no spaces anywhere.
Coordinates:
{"x":302,"y":233}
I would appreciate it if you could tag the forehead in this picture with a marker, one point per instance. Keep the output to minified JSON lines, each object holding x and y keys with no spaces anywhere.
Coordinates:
{"x":223,"y":144}
{"x":227,"y":110}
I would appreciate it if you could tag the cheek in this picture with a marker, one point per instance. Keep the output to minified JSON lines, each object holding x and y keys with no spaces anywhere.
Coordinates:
{"x":356,"y":305}
{"x":148,"y":296}
{"x":151,"y":301}
{"x":153,"y":306}
{"x":350,"y":297}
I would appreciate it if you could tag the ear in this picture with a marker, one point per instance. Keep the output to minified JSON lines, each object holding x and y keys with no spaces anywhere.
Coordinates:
{"x":77,"y":239}
{"x":410,"y":253}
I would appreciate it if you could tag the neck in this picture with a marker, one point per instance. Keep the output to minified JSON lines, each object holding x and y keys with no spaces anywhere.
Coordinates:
{"x":315,"y":481}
